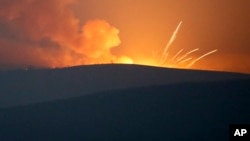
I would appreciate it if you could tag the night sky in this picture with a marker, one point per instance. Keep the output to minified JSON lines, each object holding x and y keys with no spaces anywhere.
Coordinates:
{"x":144,"y":26}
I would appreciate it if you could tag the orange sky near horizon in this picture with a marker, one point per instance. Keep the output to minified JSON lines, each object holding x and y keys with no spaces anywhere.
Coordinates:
{"x":31,"y":35}
{"x":147,"y":25}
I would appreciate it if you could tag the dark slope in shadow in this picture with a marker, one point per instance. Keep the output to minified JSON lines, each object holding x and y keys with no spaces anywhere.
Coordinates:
{"x":31,"y":86}
{"x":176,"y":112}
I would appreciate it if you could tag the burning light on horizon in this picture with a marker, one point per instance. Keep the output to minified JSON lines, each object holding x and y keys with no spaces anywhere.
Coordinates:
{"x":178,"y":60}
{"x":54,"y":38}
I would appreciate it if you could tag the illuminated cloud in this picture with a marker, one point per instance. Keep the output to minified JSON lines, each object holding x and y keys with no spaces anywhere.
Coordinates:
{"x":45,"y":33}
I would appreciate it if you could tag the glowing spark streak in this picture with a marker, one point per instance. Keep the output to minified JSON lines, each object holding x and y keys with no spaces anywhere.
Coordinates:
{"x":156,"y":55}
{"x":164,"y":55}
{"x":185,"y":55}
{"x":185,"y":60}
{"x":177,"y":54}
{"x":194,"y":61}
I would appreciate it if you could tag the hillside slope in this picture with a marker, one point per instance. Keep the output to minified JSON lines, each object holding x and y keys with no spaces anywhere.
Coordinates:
{"x":191,"y":111}
{"x":32,"y":86}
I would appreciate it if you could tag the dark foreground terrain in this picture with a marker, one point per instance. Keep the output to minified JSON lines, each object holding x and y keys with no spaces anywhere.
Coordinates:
{"x":18,"y":87}
{"x":183,"y":111}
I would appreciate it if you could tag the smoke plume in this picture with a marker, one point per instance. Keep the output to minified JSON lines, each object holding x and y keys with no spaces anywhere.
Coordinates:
{"x":45,"y":33}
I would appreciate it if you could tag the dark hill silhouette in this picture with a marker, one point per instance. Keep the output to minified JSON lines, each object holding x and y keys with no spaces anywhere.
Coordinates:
{"x":20,"y":87}
{"x":190,"y":111}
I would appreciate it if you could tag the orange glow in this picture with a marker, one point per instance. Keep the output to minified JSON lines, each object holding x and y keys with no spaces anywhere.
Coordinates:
{"x":178,"y":60}
{"x":166,"y":58}
{"x":47,"y":33}
{"x":125,"y":60}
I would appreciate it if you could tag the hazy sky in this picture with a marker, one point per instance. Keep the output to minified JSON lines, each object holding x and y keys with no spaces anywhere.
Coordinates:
{"x":207,"y":24}
{"x":146,"y":26}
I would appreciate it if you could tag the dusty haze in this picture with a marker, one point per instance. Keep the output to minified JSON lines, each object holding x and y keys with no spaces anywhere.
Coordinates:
{"x":58,"y":33}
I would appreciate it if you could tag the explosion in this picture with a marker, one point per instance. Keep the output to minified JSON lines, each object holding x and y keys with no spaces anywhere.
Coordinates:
{"x":50,"y":36}
{"x":54,"y":38}
{"x":179,"y":60}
